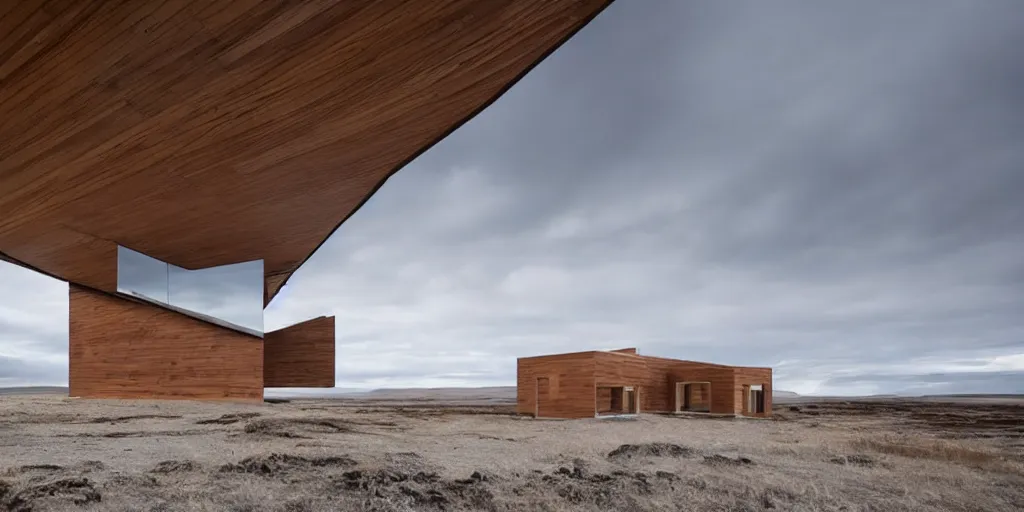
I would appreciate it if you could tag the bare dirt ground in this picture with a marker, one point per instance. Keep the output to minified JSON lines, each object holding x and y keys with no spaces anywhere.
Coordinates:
{"x":421,"y":454}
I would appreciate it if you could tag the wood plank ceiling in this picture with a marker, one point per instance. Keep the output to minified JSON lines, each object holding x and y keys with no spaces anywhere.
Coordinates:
{"x":207,"y":133}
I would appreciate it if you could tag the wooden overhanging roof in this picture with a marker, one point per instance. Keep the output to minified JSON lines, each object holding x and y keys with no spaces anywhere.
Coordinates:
{"x":208,"y":133}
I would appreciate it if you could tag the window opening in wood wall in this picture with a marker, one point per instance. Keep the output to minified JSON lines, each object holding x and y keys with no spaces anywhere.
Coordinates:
{"x":693,"y":397}
{"x":612,"y":400}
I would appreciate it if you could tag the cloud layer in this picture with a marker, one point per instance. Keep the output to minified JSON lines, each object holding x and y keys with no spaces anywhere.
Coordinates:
{"x":831,"y":189}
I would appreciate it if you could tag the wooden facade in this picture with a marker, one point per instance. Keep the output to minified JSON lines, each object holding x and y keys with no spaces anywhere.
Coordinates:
{"x":124,"y":348}
{"x":585,"y":384}
{"x":120,"y":348}
{"x":212,"y":133}
{"x":300,"y":356}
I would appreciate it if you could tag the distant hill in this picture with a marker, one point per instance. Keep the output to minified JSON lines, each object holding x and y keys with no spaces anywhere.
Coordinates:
{"x":35,"y":390}
{"x":496,"y":393}
{"x":313,"y":392}
{"x":492,"y":392}
{"x":485,"y":393}
{"x":489,"y":392}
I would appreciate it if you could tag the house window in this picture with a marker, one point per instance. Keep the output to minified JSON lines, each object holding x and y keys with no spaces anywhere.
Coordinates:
{"x":693,"y":397}
{"x":615,"y":400}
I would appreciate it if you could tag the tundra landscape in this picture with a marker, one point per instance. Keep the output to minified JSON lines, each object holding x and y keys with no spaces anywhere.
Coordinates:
{"x":468,"y":450}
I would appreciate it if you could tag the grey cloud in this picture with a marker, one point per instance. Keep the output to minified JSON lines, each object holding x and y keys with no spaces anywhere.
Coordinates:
{"x":18,"y":372}
{"x":33,"y":328}
{"x":233,"y":293}
{"x":830,"y":188}
{"x":740,"y":182}
{"x":941,"y":383}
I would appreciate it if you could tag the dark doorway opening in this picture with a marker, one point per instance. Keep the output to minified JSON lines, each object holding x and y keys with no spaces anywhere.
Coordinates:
{"x":754,"y":404}
{"x":612,"y":400}
{"x":693,"y":397}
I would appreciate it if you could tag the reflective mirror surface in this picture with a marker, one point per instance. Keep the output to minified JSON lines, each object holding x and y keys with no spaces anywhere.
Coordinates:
{"x":229,"y":295}
{"x":141,"y":276}
{"x":232,"y":293}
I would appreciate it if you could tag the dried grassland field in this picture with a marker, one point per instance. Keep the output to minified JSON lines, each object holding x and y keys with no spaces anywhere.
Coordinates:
{"x":343,"y":454}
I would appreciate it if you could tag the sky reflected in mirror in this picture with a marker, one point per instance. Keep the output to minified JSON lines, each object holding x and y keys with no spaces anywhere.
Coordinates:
{"x":228,"y":295}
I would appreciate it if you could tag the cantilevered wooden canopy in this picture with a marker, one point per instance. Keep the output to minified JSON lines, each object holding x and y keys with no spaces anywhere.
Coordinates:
{"x":210,"y":132}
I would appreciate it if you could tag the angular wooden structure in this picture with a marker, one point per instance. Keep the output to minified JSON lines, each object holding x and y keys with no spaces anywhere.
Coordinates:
{"x":121,"y":348}
{"x":209,"y":133}
{"x":596,"y":383}
{"x":212,"y":133}
{"x":300,"y":356}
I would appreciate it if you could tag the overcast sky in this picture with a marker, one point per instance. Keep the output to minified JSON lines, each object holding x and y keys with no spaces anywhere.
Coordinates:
{"x":834,"y":189}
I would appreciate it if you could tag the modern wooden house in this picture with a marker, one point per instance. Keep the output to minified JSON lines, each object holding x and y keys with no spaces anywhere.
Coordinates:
{"x":599,"y":383}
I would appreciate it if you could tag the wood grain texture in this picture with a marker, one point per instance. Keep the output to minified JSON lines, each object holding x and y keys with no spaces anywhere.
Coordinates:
{"x":120,"y":348}
{"x":606,"y":401}
{"x":693,"y":396}
{"x":747,"y":376}
{"x":619,"y":369}
{"x":569,"y":390}
{"x":722,"y":380}
{"x":300,"y":356}
{"x":656,"y":379}
{"x":69,"y":255}
{"x":210,"y":133}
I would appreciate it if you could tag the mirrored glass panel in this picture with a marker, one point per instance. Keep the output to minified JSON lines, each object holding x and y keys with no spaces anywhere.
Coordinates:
{"x":231,"y":293}
{"x":141,"y":276}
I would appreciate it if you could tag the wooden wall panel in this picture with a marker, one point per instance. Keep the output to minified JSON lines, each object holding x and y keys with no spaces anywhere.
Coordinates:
{"x":570,"y":385}
{"x":605,"y":402}
{"x":209,"y":133}
{"x":746,"y":376}
{"x":120,"y":348}
{"x":699,"y":395}
{"x":658,"y":394}
{"x":620,"y":369}
{"x":72,"y":256}
{"x":658,"y":386}
{"x":722,"y":384}
{"x":655,"y":377}
{"x":300,"y":356}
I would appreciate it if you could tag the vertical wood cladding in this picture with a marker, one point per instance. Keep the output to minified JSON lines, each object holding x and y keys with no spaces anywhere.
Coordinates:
{"x":300,"y":356}
{"x":124,"y":349}
{"x":569,"y":385}
{"x":656,"y":379}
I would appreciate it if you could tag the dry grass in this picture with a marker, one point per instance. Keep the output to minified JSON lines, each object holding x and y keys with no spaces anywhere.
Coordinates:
{"x":326,"y":455}
{"x":917,"y":447}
